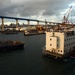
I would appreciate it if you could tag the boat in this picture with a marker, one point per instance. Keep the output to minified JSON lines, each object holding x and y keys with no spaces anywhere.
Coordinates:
{"x":60,"y":43}
{"x":11,"y":45}
{"x":32,"y":32}
{"x":11,"y":32}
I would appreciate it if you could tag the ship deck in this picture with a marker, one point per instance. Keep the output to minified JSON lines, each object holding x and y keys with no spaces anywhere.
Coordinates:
{"x":56,"y":55}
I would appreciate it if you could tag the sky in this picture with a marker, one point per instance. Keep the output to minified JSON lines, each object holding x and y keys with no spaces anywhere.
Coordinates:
{"x":51,"y":10}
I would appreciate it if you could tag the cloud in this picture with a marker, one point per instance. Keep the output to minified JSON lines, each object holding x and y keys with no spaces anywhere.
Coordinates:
{"x":37,"y":8}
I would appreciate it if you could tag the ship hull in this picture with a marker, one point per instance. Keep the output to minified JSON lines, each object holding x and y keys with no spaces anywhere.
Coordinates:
{"x":11,"y":47}
{"x":56,"y":55}
{"x":33,"y":34}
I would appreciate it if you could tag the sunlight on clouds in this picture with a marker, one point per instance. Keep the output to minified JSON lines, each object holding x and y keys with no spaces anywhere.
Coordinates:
{"x":34,"y":16}
{"x":51,"y":10}
{"x":54,"y":19}
{"x":40,"y":16}
{"x":73,"y":4}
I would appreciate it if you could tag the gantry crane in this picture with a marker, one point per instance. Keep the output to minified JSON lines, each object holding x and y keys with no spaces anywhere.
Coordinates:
{"x":66,"y":16}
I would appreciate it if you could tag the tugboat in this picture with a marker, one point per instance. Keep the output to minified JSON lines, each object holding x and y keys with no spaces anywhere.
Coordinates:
{"x":11,"y":32}
{"x":30,"y":32}
{"x":10,"y":45}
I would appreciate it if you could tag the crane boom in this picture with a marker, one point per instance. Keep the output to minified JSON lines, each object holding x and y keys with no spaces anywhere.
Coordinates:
{"x":66,"y":16}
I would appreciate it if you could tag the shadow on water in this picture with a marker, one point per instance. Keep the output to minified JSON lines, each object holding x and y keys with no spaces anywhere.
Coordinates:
{"x":10,"y":51}
{"x":59,"y":67}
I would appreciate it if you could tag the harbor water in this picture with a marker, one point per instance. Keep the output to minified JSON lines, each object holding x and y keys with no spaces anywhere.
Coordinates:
{"x":30,"y":60}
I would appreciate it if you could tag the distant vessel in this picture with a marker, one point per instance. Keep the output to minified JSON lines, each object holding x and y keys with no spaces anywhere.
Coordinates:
{"x":11,"y":32}
{"x":32,"y":32}
{"x":10,"y":45}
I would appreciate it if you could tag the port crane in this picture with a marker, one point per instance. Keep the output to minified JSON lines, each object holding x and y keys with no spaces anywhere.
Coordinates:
{"x":66,"y":16}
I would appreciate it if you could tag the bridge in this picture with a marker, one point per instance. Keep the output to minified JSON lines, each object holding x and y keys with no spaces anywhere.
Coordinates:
{"x":28,"y":20}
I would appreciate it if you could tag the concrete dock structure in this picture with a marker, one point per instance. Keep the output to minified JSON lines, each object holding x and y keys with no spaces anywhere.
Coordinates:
{"x":16,"y":23}
{"x":2,"y":24}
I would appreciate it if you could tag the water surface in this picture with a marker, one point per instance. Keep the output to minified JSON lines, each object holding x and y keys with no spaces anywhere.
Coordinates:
{"x":31,"y":61}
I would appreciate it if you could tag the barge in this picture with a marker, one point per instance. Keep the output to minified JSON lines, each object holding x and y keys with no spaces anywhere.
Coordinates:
{"x":60,"y":44}
{"x":33,"y":32}
{"x":11,"y":45}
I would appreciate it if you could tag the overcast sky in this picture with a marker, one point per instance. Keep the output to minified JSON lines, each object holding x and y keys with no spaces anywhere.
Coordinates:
{"x":51,"y":10}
